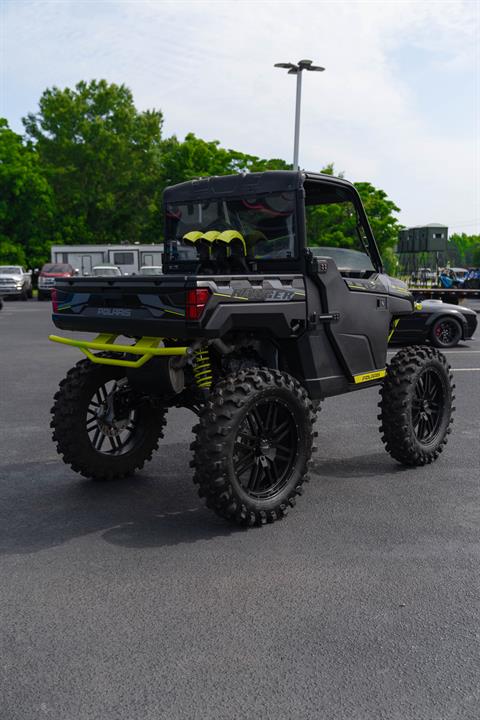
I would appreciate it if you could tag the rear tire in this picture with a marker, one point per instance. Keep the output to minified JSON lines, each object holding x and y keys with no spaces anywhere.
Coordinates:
{"x":416,"y":405}
{"x":95,"y":445}
{"x":253,"y":447}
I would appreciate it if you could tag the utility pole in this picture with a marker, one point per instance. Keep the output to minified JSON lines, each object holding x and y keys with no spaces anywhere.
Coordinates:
{"x":297,"y":69}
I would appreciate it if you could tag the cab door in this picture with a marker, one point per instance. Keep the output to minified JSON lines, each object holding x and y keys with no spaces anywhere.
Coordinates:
{"x":347,"y":271}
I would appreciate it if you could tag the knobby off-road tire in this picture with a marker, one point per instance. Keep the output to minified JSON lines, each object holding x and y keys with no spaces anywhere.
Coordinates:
{"x":129,"y":440}
{"x":253,"y":446}
{"x":416,"y":405}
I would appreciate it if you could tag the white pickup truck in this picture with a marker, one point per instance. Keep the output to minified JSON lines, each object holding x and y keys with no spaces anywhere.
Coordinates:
{"x":15,"y":281}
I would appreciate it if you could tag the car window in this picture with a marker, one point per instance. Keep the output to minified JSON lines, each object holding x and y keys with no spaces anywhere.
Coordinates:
{"x":333,"y":222}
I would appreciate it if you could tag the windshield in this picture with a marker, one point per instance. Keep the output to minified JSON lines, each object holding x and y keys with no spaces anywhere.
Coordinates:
{"x":231,"y":235}
{"x":10,"y":270}
{"x":151,"y":270}
{"x":106,"y":271}
{"x":345,"y":259}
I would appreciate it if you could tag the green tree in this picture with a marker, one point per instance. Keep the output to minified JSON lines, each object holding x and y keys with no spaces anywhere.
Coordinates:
{"x":334,"y":225}
{"x":464,"y":249}
{"x":102,"y":160}
{"x":26,"y":202}
{"x":381,"y":214}
{"x":194,"y":157}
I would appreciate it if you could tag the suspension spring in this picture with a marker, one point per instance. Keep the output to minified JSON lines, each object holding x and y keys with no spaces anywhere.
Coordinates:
{"x":202,"y":368}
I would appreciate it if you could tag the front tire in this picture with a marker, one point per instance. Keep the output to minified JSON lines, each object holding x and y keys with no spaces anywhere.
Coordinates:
{"x":97,"y":429}
{"x":446,"y":333}
{"x":416,"y":405}
{"x":253,"y":446}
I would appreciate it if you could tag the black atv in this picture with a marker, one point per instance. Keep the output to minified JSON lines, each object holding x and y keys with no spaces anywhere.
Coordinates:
{"x":249,"y":329}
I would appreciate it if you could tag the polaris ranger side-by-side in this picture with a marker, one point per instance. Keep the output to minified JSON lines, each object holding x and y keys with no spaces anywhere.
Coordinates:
{"x":250,"y":330}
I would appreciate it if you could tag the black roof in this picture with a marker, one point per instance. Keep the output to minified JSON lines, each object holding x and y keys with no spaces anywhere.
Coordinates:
{"x":244,"y":184}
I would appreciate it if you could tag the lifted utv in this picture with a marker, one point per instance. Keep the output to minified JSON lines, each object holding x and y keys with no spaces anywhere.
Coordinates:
{"x":249,"y":328}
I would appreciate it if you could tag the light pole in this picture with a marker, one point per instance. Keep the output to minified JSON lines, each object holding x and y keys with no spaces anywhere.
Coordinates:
{"x":297,"y":70}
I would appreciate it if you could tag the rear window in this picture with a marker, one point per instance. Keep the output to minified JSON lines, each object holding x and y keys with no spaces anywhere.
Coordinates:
{"x":231,"y":234}
{"x":57,"y":268}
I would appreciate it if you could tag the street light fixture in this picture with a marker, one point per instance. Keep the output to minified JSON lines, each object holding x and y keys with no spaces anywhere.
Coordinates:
{"x":297,"y":70}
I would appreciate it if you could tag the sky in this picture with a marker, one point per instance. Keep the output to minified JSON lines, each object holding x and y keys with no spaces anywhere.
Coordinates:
{"x":398,"y":104}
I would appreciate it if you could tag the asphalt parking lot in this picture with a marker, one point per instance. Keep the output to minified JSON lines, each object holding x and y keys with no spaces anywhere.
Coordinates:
{"x":130,"y":601}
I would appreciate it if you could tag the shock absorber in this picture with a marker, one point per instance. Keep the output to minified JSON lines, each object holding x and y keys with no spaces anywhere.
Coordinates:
{"x":202,"y":368}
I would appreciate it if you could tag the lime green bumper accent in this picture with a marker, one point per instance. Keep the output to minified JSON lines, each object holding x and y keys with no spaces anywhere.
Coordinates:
{"x":146,"y":348}
{"x":394,"y":327}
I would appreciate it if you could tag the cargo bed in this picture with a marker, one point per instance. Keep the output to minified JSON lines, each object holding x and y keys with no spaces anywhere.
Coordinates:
{"x":159,"y":306}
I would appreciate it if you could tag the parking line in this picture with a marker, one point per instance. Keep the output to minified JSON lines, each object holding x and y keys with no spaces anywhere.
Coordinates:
{"x":465,"y":369}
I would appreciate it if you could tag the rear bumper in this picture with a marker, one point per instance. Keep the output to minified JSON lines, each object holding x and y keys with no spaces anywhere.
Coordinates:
{"x":121,"y":326}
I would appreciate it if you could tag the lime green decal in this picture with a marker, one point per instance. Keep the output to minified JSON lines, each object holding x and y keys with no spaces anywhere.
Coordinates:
{"x":172,"y":312}
{"x":367,"y":377}
{"x":394,"y":326}
{"x":232,"y":296}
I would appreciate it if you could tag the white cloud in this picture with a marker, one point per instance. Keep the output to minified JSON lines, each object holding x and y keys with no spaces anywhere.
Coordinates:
{"x":209,"y":67}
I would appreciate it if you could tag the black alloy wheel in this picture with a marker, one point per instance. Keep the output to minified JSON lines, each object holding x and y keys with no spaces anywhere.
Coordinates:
{"x":110,"y":424}
{"x":446,"y":333}
{"x":265,"y":449}
{"x":427,"y":406}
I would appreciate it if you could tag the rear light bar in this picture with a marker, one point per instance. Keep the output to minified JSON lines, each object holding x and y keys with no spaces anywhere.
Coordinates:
{"x":196,"y":302}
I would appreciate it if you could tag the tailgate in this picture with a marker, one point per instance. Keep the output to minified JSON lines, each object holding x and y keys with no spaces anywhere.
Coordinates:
{"x":134,"y":306}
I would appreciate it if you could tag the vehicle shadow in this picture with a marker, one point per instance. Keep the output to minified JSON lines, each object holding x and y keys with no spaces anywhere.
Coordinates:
{"x":45,"y":505}
{"x":359,"y":466}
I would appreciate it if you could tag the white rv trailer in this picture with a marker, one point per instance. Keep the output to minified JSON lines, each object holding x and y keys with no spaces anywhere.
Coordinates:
{"x":129,"y":258}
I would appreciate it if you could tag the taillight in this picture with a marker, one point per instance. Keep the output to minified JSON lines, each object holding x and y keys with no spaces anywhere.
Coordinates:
{"x":53,"y":295}
{"x":195,"y":304}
